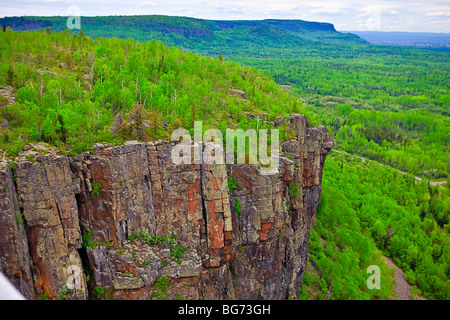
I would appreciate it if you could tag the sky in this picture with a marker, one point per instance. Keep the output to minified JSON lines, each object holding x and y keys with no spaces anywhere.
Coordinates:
{"x":346,"y":15}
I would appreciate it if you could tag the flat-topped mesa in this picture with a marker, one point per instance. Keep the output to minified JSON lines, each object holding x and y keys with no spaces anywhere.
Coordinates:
{"x":133,"y":219}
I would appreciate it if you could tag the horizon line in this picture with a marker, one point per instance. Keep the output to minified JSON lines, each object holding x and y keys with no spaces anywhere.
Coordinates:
{"x":208,"y":19}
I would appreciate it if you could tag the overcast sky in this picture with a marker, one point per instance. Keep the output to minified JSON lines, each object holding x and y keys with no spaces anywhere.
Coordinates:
{"x":348,"y":15}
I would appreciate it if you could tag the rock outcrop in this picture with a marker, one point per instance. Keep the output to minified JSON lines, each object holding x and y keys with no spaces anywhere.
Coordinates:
{"x":46,"y":197}
{"x":14,"y":252}
{"x":125,"y":222}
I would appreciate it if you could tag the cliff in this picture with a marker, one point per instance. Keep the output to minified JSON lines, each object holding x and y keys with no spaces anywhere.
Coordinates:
{"x":124,"y":222}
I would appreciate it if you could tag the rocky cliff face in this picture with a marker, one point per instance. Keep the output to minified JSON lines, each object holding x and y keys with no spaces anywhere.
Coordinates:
{"x":124,"y":222}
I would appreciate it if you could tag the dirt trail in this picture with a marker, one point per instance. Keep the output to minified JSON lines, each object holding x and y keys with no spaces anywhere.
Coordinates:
{"x":403,"y":288}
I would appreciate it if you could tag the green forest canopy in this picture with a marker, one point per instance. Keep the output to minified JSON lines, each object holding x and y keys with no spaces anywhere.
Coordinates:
{"x":72,"y":91}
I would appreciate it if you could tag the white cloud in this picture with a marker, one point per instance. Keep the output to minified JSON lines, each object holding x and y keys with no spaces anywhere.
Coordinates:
{"x":391,"y":12}
{"x":326,"y":10}
{"x":430,"y":15}
{"x":433,"y":14}
{"x":146,"y":4}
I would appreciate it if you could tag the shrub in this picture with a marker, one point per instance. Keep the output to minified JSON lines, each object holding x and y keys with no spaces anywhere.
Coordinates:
{"x":96,"y":186}
{"x":45,"y":296}
{"x":237,"y":206}
{"x":177,"y":252}
{"x":233,"y":184}
{"x":63,"y":293}
{"x":88,"y":241}
{"x":151,"y":240}
{"x":99,"y":292}
{"x":162,"y":284}
{"x":294,"y":190}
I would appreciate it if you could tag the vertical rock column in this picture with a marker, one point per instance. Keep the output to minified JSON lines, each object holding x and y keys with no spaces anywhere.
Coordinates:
{"x":216,"y":204}
{"x":14,"y":253}
{"x":115,"y":192}
{"x":309,"y":153}
{"x":261,"y":231}
{"x":318,"y":142}
{"x":46,"y":195}
{"x":177,"y":198}
{"x":191,"y":201}
{"x":115,"y":201}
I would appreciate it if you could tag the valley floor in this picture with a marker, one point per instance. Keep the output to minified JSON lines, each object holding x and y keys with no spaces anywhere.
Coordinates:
{"x":433,"y":183}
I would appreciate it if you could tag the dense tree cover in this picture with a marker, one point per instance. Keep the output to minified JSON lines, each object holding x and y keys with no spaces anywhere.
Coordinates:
{"x":311,"y":56}
{"x":415,"y":141}
{"x":72,"y":91}
{"x":384,"y":78}
{"x":339,"y":259}
{"x":340,"y":251}
{"x":195,"y":34}
{"x":364,"y":204}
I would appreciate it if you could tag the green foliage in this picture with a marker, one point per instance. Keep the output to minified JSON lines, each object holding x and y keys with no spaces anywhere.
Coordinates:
{"x":414,"y":141}
{"x":375,"y":209}
{"x":317,"y":62}
{"x":152,"y":239}
{"x":63,"y":293}
{"x":99,"y":292}
{"x":339,"y":248}
{"x":177,"y":251}
{"x":83,"y":91}
{"x":162,"y":285}
{"x":294,"y":190}
{"x":414,"y":292}
{"x":383,"y":103}
{"x":88,"y":241}
{"x":19,"y":219}
{"x":233,"y":184}
{"x":96,"y":187}
{"x":45,"y":296}
{"x":237,"y":206}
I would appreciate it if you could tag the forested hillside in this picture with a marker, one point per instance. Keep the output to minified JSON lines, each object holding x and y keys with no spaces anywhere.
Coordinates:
{"x":365,"y":206}
{"x":386,"y":104}
{"x":72,"y":91}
